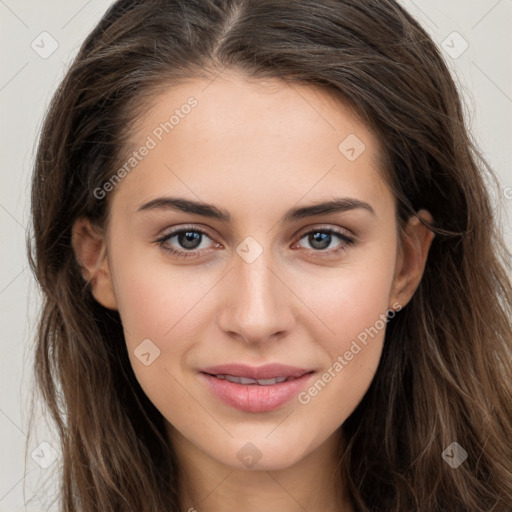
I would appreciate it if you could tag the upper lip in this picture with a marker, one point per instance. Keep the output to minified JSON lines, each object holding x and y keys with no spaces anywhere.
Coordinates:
{"x":267,"y":371}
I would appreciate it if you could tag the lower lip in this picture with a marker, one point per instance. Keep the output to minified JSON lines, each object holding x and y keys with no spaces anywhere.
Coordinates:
{"x":253,"y":397}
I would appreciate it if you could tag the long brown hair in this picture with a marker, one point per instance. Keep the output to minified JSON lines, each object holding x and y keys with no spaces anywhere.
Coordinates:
{"x":445,"y":374}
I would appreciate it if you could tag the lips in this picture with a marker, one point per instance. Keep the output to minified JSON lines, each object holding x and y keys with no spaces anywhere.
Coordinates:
{"x":268,"y":371}
{"x":249,"y":381}
{"x":255,"y":389}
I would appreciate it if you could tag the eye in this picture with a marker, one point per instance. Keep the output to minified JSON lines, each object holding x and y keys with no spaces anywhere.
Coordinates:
{"x":321,"y":239}
{"x":186,"y":241}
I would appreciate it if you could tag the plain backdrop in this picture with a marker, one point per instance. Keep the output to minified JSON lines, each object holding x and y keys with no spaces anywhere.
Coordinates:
{"x":29,"y":74}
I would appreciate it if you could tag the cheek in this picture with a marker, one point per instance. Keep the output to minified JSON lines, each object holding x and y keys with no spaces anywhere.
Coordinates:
{"x":166,"y":305}
{"x":352,"y":308}
{"x":154,"y":297}
{"x":350,"y":299}
{"x":159,"y":333}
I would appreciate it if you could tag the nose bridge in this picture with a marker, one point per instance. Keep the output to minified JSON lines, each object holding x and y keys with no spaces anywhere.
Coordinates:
{"x":257,"y":307}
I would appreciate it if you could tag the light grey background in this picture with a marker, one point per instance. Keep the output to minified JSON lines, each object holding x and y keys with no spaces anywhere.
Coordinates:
{"x":27,"y":81}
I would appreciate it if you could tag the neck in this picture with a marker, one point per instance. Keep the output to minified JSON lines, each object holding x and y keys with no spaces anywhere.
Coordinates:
{"x":313,"y":483}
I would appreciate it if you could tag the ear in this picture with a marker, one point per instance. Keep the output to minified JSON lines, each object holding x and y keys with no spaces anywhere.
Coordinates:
{"x":412,"y":258}
{"x":90,"y":249}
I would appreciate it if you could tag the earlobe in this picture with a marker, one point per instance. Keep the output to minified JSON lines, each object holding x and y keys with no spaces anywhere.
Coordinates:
{"x":90,"y":249}
{"x":412,"y":258}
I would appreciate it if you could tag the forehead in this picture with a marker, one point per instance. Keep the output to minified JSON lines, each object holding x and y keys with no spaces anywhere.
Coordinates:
{"x":251,"y":138}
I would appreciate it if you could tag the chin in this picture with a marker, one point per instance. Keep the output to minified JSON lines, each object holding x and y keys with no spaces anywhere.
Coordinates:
{"x":265,"y":454}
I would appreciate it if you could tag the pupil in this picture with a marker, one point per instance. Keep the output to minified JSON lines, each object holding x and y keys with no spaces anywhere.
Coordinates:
{"x":324,"y":240}
{"x":188,"y":239}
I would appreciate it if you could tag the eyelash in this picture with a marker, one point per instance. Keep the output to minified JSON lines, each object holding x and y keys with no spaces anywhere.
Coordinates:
{"x":347,"y":241}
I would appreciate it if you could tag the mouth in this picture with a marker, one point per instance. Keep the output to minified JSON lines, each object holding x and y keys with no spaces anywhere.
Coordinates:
{"x":256,"y":373}
{"x":249,"y":381}
{"x":255,"y":389}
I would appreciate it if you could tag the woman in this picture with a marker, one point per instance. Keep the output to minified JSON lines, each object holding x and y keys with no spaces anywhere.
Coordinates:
{"x":272,"y":276}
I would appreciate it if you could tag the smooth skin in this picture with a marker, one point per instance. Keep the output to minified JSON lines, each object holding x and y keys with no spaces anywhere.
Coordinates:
{"x":254,"y":150}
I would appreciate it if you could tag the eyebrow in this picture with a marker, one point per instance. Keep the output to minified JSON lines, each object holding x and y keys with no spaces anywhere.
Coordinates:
{"x":336,"y":205}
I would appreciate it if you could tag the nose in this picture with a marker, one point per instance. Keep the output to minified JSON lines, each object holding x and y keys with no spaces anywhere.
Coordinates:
{"x":256,"y":302}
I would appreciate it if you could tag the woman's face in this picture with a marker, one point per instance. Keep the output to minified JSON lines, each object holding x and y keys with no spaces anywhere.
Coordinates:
{"x":258,"y":284}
